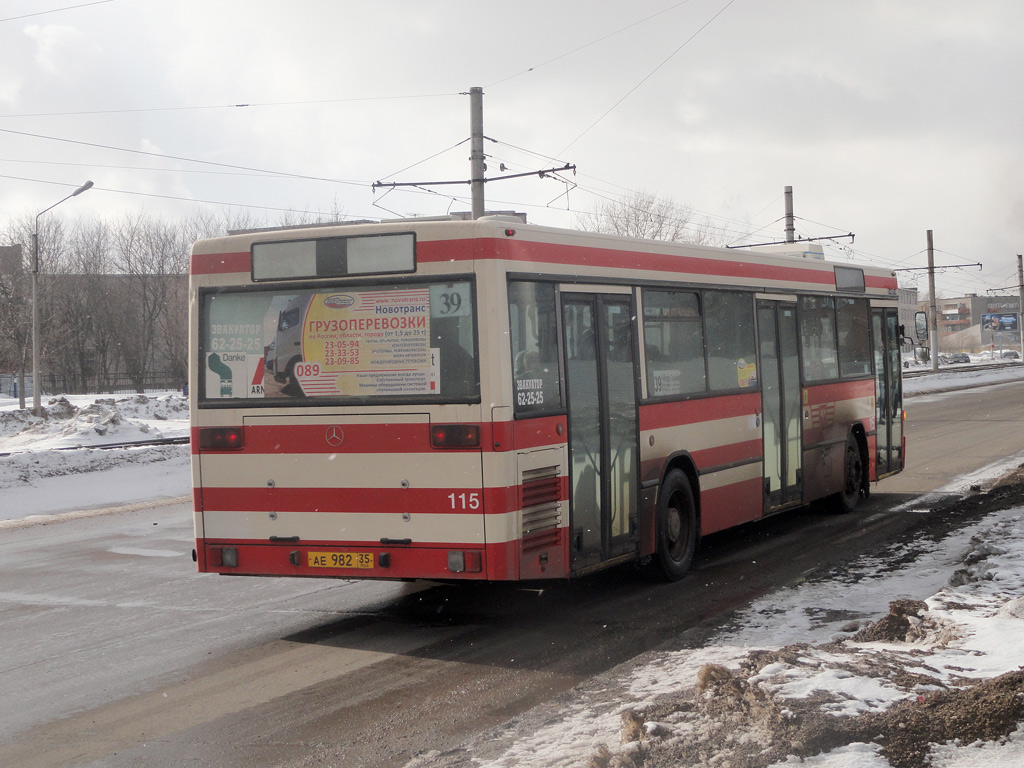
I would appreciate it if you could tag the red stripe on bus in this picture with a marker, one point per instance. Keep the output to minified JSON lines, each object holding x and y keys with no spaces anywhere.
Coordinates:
{"x":707,"y":458}
{"x":816,"y":394}
{"x":354,"y":438}
{"x":539,"y":432}
{"x":731,"y":505}
{"x":452,"y":501}
{"x":608,"y":258}
{"x":682,"y":412}
{"x":886,"y":282}
{"x":323,"y":438}
{"x":220,"y":263}
{"x":733,"y":453}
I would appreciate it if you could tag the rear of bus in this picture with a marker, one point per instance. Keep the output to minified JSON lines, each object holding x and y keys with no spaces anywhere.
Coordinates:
{"x":336,"y":405}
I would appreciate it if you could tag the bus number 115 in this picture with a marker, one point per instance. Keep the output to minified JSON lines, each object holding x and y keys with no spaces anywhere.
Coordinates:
{"x":464,"y":500}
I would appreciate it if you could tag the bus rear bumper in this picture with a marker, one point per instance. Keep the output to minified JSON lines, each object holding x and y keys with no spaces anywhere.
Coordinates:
{"x":399,"y":561}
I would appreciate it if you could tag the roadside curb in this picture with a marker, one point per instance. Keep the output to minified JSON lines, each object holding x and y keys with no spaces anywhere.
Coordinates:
{"x":64,"y":517}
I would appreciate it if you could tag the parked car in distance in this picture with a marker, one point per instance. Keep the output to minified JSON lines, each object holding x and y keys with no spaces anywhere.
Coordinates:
{"x":1010,"y":354}
{"x":959,"y":357}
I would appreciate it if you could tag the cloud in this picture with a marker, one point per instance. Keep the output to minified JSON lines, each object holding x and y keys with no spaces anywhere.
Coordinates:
{"x":61,"y":50}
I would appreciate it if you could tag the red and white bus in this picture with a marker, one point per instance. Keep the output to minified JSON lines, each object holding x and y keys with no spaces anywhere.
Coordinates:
{"x":491,"y":400}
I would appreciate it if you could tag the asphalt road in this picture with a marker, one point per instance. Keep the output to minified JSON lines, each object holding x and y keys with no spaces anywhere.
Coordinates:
{"x":116,"y":653}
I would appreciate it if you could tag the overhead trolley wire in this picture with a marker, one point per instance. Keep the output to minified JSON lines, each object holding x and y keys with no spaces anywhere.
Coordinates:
{"x":55,"y":10}
{"x":648,"y":76}
{"x":180,"y":158}
{"x":242,"y":105}
{"x":587,"y":45}
{"x":172,"y":197}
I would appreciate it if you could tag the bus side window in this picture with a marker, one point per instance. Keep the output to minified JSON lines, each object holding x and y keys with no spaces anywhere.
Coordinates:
{"x":817,"y":319}
{"x":854,"y":337}
{"x":732,"y":356}
{"x":452,"y":337}
{"x":533,"y":333}
{"x":452,"y":333}
{"x":673,"y":343}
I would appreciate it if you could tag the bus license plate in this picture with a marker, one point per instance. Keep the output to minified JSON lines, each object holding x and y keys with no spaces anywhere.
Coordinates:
{"x":340,"y":559}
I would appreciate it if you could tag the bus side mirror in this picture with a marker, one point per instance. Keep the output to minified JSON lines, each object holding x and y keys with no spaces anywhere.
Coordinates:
{"x":921,"y":326}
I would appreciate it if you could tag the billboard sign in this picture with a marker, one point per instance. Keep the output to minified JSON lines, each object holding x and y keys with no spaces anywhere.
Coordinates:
{"x":1005,"y":321}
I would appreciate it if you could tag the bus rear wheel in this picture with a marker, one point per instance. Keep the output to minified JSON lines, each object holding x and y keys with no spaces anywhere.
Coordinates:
{"x":853,"y":477}
{"x":676,"y":526}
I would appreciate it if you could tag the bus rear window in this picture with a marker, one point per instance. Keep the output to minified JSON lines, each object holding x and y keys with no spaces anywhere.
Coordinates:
{"x":371,"y":342}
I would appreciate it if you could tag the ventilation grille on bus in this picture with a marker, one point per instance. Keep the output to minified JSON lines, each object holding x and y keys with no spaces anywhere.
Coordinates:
{"x":541,"y":511}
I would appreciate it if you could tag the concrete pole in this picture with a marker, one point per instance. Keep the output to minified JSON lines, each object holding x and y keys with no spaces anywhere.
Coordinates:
{"x":790,"y":225}
{"x":476,"y":153}
{"x":1020,"y":299}
{"x":37,"y":378}
{"x":933,"y":315}
{"x":36,"y":406}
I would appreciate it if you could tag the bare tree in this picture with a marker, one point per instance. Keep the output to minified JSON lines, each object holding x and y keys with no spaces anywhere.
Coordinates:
{"x":15,"y":314}
{"x":148,"y":253}
{"x":645,"y":215}
{"x":84,"y":317}
{"x":113,"y":297}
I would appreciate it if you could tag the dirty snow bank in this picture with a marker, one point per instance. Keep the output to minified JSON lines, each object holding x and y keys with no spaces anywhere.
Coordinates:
{"x":41,"y":475}
{"x":85,"y":421}
{"x":818,"y":674}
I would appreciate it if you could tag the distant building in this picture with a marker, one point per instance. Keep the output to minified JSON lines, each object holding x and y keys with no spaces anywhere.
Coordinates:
{"x":961,"y":326}
{"x":11,"y":262}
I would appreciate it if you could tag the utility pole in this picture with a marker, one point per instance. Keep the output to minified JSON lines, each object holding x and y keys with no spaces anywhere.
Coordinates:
{"x":933,"y":319}
{"x":37,"y":379}
{"x":476,"y":152}
{"x":1020,"y":299}
{"x":790,"y":226}
{"x":477,"y":166}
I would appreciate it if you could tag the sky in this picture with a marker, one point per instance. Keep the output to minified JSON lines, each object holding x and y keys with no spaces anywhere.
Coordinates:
{"x":971,"y":627}
{"x":888,"y":118}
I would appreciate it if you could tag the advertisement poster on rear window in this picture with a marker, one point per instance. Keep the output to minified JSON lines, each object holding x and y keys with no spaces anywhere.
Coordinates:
{"x":352,"y":343}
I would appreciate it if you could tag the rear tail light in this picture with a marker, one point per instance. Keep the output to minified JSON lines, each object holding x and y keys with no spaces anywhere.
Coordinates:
{"x":464,"y":562}
{"x":221,"y":439}
{"x":455,"y":436}
{"x":222,"y":557}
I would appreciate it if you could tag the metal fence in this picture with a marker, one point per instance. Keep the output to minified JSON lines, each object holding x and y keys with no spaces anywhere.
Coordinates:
{"x":115,"y":384}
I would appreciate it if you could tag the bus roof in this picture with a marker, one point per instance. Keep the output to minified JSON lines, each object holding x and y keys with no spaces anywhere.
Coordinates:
{"x":582,"y":254}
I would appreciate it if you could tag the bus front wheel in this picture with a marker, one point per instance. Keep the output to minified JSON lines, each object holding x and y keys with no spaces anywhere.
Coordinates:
{"x":676,"y":526}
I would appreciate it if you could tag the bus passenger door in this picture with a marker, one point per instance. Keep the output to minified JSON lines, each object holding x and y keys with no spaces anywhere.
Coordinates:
{"x":779,"y":373}
{"x":602,"y":400}
{"x":885,"y":334}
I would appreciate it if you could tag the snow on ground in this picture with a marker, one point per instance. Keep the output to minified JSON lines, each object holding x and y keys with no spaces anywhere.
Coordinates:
{"x":817,"y":674}
{"x":52,"y":465}
{"x":922,"y":381}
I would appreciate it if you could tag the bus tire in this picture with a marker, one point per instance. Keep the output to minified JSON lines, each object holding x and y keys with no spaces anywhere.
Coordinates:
{"x":853,"y":477}
{"x":676,"y":526}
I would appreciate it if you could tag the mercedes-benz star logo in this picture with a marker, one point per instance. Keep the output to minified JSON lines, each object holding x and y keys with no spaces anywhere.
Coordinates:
{"x":334,"y":436}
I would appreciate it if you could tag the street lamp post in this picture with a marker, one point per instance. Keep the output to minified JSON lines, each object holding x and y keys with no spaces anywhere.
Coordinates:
{"x":36,"y":379}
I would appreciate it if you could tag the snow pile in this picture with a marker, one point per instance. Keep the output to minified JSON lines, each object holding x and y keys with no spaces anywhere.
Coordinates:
{"x":53,"y":463}
{"x":102,"y":421}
